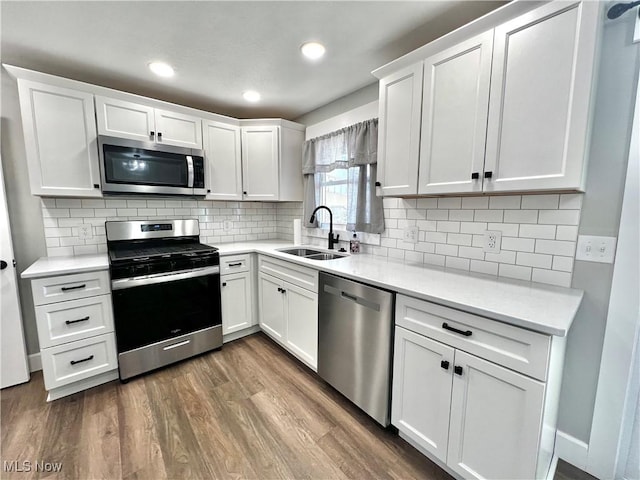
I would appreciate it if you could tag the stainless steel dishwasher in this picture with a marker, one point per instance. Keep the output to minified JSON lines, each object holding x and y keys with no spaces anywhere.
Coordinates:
{"x":355,"y":327}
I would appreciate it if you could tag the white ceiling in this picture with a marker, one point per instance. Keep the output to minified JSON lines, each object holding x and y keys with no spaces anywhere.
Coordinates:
{"x":220,"y":49}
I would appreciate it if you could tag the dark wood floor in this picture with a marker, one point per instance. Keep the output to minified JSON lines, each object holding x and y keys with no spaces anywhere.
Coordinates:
{"x":247,"y":411}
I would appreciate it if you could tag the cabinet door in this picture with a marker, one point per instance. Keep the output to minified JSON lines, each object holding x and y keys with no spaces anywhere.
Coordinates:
{"x":271,"y":300}
{"x":455,"y":103}
{"x":236,"y":302}
{"x":118,"y":118}
{"x":496,"y":419}
{"x":302,"y":323}
{"x":542,"y":76}
{"x":178,"y":129}
{"x":422,"y":370}
{"x":60,"y":140}
{"x":224,"y":164}
{"x":260,"y":163}
{"x":399,"y":131}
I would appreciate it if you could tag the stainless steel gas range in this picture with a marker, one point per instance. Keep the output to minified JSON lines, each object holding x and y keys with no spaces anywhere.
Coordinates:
{"x":166,"y":293}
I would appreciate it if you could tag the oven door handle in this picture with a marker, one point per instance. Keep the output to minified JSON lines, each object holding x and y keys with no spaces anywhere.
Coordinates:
{"x":189,"y":171}
{"x":162,"y":278}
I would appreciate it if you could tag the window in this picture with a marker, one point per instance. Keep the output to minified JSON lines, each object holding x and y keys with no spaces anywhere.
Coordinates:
{"x":339,"y":171}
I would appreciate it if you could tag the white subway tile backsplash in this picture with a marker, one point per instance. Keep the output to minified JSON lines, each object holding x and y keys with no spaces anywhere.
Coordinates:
{"x":479,"y":266}
{"x":445,"y":249}
{"x":564,"y":264}
{"x":471,"y":252}
{"x":507,"y":202}
{"x":567,"y":232}
{"x":510,"y":229}
{"x":559,"y":217}
{"x":457,"y":262}
{"x":473,"y":227}
{"x":436,"y":237}
{"x":427,"y":203}
{"x":540,"y":201}
{"x":534,"y":260}
{"x":556,"y":247}
{"x":475,"y":203}
{"x":553,"y":277}
{"x":502,"y":257}
{"x":461,"y":215}
{"x":446,"y":226}
{"x":437,"y":214}
{"x":521,"y":216}
{"x":449,"y":202}
{"x":432,"y":259}
{"x":514,"y":271}
{"x":571,"y":201}
{"x":538,"y":231}
{"x":459,"y":239}
{"x":488,"y":215}
{"x":518,"y":244}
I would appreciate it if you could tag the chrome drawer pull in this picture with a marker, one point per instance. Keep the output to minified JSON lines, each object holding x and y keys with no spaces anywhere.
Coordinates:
{"x":66,"y":289}
{"x":69,"y":322}
{"x":74,"y":362}
{"x":466,"y":333}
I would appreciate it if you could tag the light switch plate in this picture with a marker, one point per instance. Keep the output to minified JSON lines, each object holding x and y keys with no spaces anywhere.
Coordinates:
{"x":596,"y":249}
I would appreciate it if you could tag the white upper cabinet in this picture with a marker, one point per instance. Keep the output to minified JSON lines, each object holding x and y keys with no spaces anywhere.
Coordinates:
{"x":123,"y":119}
{"x":60,"y":140}
{"x":454,"y":117}
{"x":221,"y":143}
{"x":399,"y":131}
{"x":507,"y":110}
{"x":260,"y":163}
{"x":541,"y":82}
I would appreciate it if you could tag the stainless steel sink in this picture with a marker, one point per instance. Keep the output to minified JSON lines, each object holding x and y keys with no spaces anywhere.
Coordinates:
{"x":324,"y":256}
{"x":300,"y":252}
{"x":312,"y":254}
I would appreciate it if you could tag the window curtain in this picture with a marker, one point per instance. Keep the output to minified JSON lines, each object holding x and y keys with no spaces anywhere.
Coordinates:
{"x":353,"y":148}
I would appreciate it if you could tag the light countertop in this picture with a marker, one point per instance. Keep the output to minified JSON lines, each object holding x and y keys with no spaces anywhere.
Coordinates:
{"x":543,"y":308}
{"x":49,"y":266}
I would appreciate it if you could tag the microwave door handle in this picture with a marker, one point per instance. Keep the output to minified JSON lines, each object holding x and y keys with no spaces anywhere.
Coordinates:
{"x":189,"y":171}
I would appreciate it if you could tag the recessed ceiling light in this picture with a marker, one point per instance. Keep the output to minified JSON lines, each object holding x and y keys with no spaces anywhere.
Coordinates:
{"x":161,"y":69}
{"x":312,"y":50}
{"x":251,"y":96}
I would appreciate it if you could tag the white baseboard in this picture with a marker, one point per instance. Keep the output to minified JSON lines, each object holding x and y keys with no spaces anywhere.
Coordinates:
{"x":35,"y":362}
{"x":572,"y":450}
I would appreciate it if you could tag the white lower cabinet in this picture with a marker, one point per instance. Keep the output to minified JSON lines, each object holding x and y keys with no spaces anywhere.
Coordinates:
{"x":475,"y":417}
{"x":237,"y":288}
{"x":76,"y":331}
{"x":289,"y":311}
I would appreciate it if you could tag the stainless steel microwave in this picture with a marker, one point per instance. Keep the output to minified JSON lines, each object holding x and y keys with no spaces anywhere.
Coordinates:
{"x":132,"y":166}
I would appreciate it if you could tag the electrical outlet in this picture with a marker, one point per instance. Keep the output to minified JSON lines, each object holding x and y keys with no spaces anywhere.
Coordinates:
{"x":492,"y":241}
{"x":411,"y":235}
{"x":596,"y":249}
{"x":85,"y":231}
{"x":227,"y":225}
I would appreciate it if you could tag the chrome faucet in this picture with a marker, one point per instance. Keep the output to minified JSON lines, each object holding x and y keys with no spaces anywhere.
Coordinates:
{"x":332,"y":239}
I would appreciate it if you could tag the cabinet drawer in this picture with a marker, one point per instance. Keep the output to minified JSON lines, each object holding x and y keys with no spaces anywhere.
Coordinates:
{"x":513,"y":347}
{"x":70,"y":287}
{"x":290,"y":272}
{"x":71,"y":362}
{"x":65,"y":322}
{"x":235,"y":264}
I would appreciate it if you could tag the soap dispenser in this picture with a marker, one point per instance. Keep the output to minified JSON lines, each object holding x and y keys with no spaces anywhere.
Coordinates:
{"x":354,"y":244}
